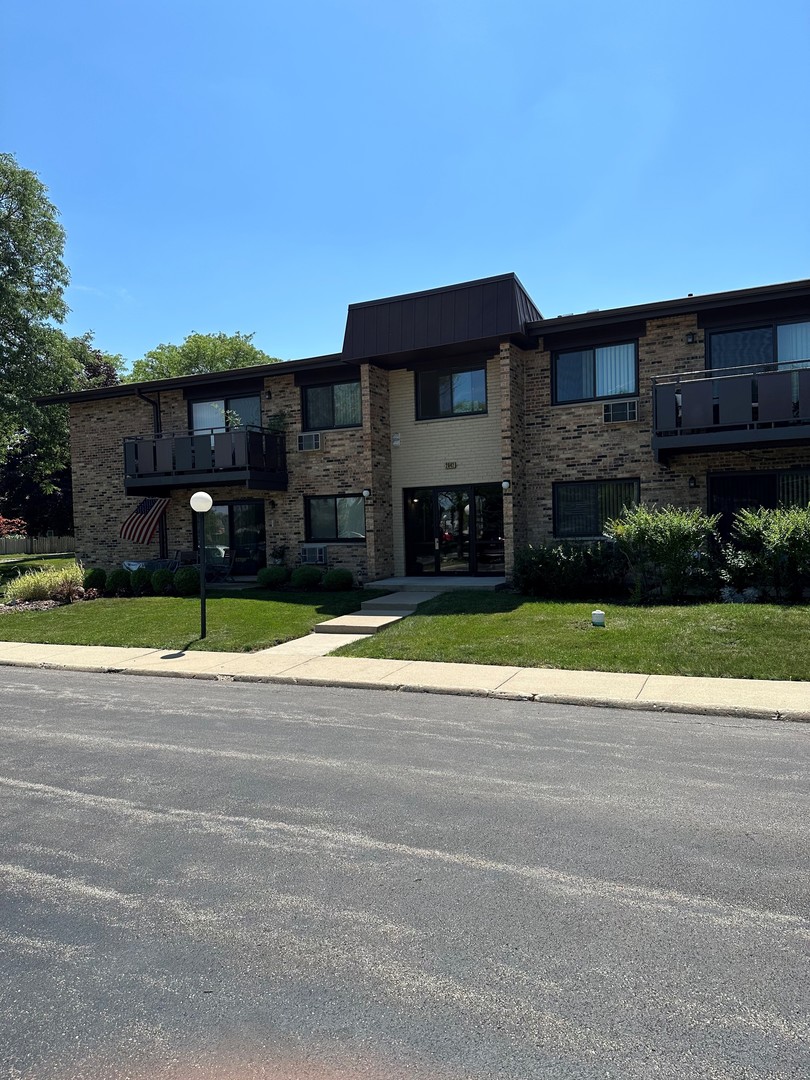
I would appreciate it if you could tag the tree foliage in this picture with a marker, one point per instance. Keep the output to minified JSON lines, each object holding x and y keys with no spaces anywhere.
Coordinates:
{"x":199,"y":354}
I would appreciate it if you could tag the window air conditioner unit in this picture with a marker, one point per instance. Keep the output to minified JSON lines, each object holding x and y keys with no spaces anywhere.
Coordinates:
{"x":309,"y":440}
{"x":313,"y":555}
{"x":620,"y":412}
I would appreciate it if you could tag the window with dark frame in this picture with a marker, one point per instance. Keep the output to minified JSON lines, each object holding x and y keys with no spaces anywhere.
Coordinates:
{"x":600,"y":372}
{"x":226,"y":413}
{"x":335,"y":517}
{"x":581,"y":508}
{"x":451,"y":392}
{"x":776,"y":343}
{"x":333,"y":405}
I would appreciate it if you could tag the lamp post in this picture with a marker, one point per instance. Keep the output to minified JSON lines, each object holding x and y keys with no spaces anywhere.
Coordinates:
{"x":201,"y":503}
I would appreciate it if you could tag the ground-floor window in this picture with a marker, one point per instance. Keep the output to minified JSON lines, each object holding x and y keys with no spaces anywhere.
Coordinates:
{"x":581,"y":508}
{"x":730,"y":492}
{"x":335,"y":517}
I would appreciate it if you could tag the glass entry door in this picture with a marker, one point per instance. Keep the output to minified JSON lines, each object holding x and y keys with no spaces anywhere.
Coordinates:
{"x":235,"y":531}
{"x":454,"y":530}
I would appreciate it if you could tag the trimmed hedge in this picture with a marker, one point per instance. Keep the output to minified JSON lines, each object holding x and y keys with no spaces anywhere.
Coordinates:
{"x":142,"y":582}
{"x":272,"y":577}
{"x":187,"y":581}
{"x":95,"y":579}
{"x":162,"y":582}
{"x":119,"y":583}
{"x":306,"y":577}
{"x":337,"y":580}
{"x":570,"y":572}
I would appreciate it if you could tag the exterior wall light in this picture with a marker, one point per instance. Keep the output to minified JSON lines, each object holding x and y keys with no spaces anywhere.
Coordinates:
{"x":691,"y":338}
{"x":366,"y":493}
{"x":506,"y":484}
{"x":692,"y":481}
{"x":201,"y":503}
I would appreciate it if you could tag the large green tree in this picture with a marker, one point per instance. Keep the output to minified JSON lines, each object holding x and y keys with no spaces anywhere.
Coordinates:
{"x":199,"y":354}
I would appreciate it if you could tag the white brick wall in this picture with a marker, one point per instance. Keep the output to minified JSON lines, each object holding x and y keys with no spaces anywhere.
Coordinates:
{"x":472,"y":442}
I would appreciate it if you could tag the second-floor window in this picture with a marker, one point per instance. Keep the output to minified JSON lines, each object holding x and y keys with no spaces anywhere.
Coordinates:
{"x":224,"y":414}
{"x":601,"y":372}
{"x":451,"y":392}
{"x":336,"y":405}
{"x":780,"y":343}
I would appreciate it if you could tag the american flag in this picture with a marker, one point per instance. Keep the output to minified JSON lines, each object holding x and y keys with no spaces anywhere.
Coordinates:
{"x":141,"y":524}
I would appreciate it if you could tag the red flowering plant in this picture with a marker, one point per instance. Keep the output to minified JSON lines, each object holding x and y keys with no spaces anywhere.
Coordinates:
{"x":12,"y":527}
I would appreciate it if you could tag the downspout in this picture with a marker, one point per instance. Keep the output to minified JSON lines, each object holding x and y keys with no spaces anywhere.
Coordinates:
{"x":163,"y":538}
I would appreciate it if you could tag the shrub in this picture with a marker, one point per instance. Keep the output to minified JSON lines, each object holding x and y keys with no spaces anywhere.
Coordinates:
{"x":337,"y":580}
{"x":570,"y":572}
{"x":306,"y":577}
{"x":187,"y":581}
{"x":95,"y":579}
{"x":272,"y":577}
{"x":63,"y":583}
{"x":119,"y":583}
{"x":772,"y":552}
{"x":142,"y":582}
{"x":12,"y":527}
{"x":672,"y":553}
{"x":162,"y":582}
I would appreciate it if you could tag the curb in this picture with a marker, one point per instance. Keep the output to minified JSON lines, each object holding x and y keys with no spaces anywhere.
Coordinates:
{"x":731,"y":712}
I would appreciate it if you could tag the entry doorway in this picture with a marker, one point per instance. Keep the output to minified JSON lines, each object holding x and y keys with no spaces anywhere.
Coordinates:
{"x":454,"y":530}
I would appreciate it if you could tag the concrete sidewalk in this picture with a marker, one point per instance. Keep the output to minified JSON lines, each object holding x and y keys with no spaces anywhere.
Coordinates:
{"x":303,"y":662}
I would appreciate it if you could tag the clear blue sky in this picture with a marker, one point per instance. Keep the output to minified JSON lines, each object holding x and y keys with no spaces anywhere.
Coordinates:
{"x":257,"y":166}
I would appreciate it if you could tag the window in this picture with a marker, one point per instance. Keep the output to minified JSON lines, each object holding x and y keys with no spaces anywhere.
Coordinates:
{"x":333,"y":406}
{"x":223,"y":414}
{"x":581,"y":509}
{"x":335,"y":517}
{"x":585,"y":374}
{"x":782,"y":343}
{"x":452,"y":392}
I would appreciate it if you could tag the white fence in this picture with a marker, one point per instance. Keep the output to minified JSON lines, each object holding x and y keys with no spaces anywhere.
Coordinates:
{"x":36,"y":545}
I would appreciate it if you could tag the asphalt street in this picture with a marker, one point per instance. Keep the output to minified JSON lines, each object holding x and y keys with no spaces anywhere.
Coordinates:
{"x":230,"y":881}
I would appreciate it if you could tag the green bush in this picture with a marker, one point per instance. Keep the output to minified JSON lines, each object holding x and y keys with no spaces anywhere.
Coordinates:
{"x":272,"y":577}
{"x":337,"y":580}
{"x":95,"y":579}
{"x":187,"y":581}
{"x":162,"y":582}
{"x":672,"y":553}
{"x":119,"y":583}
{"x":142,"y":582}
{"x":63,"y":583}
{"x":570,"y":572}
{"x":306,"y":577}
{"x":772,"y":552}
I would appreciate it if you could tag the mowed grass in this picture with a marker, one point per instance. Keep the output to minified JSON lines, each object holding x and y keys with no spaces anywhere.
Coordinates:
{"x":746,"y":641}
{"x":242,"y":622}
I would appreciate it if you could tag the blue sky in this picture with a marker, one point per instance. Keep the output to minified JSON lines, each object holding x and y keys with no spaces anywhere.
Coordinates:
{"x":257,"y":166}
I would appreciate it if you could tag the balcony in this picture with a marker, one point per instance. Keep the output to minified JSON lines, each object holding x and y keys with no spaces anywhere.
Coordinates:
{"x":731,"y":408}
{"x":250,"y":455}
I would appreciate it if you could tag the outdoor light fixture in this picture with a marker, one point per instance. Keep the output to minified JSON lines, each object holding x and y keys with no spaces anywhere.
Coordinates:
{"x":201,"y":503}
{"x":506,"y":484}
{"x":691,"y":338}
{"x":692,"y":481}
{"x":366,"y":493}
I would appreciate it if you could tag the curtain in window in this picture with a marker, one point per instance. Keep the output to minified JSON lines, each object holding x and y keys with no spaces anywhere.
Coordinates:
{"x":793,"y":342}
{"x":206,"y":415}
{"x":794,"y":489}
{"x":613,"y":497}
{"x":351,"y":518}
{"x":740,"y":348}
{"x":318,"y":407}
{"x":615,"y":370}
{"x":347,"y":404}
{"x":244,"y":412}
{"x":574,"y":375}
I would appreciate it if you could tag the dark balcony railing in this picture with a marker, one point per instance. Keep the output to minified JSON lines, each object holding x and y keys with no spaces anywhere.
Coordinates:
{"x":249,"y":454}
{"x":726,"y":407}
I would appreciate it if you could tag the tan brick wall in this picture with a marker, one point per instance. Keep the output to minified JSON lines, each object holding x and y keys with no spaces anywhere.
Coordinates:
{"x":472,"y":442}
{"x":571,"y":442}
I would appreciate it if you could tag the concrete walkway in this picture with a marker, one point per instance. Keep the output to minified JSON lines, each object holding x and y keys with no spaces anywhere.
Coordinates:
{"x":305,"y":661}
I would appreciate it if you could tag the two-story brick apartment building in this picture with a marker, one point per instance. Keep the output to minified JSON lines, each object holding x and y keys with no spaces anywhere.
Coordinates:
{"x":456,"y":425}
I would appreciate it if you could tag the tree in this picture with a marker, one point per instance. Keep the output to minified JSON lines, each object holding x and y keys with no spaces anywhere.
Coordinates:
{"x":199,"y":354}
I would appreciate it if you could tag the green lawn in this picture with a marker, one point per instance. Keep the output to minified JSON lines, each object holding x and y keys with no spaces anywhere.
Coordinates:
{"x":756,"y":641}
{"x":241,"y":622}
